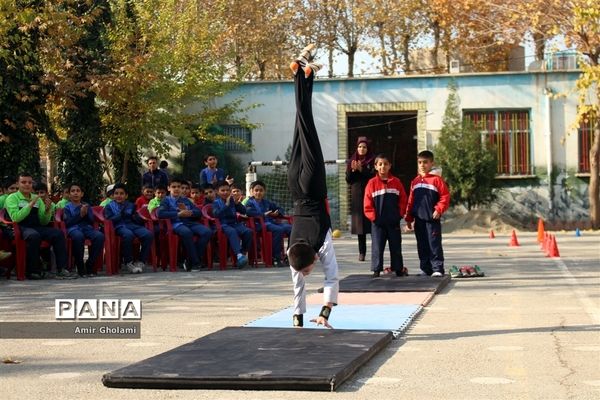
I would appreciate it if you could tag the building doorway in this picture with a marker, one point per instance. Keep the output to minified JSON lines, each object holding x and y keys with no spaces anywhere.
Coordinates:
{"x":394,"y":134}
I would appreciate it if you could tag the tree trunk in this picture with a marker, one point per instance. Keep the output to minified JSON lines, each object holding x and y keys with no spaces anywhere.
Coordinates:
{"x":540,"y":45}
{"x":330,"y":60}
{"x":125,"y":168}
{"x":436,"y":46}
{"x":395,"y":62}
{"x":406,"y":52}
{"x":351,"y":53}
{"x":384,"y":58}
{"x":594,"y":189}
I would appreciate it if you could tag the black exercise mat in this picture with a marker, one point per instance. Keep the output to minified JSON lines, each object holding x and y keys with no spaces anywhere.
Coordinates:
{"x":256,"y":359}
{"x":392,"y":283}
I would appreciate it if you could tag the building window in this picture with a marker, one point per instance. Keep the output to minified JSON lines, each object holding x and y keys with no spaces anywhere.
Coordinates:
{"x":585,"y":135}
{"x":242,"y":136}
{"x":509,"y":132}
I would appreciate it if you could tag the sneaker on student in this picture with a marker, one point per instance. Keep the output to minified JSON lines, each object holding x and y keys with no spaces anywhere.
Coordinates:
{"x":64,"y":274}
{"x":306,"y":53}
{"x":4,"y":254}
{"x":436,"y":274}
{"x":455,"y":272}
{"x":242,"y":261}
{"x":402,"y":272}
{"x":34,"y":276}
{"x":131,"y":267}
{"x":139,"y":267}
{"x":376,"y":274}
{"x":278,"y":263}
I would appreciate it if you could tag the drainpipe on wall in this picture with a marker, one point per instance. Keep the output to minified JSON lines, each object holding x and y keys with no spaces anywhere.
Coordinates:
{"x":548,"y":135}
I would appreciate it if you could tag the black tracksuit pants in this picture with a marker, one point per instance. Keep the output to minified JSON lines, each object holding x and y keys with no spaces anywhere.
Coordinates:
{"x":429,"y":245}
{"x":380,"y":234}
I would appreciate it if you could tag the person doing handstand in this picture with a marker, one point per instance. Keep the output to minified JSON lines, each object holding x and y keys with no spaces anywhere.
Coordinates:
{"x":311,"y":229}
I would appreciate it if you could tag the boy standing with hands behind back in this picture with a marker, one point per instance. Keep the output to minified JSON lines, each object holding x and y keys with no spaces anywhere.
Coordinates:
{"x":429,"y":198}
{"x":384,"y":206}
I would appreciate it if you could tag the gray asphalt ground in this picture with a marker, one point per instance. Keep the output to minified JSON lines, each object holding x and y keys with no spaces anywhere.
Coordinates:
{"x":530,"y":329}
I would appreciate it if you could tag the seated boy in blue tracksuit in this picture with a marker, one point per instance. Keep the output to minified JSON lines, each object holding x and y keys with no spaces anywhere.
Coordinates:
{"x":128,"y":226}
{"x":185,"y":216}
{"x":257,"y":206}
{"x":79,"y":219}
{"x":225,"y":209}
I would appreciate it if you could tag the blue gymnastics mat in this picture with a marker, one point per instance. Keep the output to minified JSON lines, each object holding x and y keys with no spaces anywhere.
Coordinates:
{"x":393,"y":318}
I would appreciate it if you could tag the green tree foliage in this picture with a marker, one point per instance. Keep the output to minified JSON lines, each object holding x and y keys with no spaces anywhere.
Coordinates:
{"x":79,"y":151}
{"x":467,"y":161}
{"x":22,"y":90}
{"x":165,"y":58}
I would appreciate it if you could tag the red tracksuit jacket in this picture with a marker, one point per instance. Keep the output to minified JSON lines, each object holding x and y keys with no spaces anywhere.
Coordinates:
{"x":385,"y":200}
{"x":427,"y":193}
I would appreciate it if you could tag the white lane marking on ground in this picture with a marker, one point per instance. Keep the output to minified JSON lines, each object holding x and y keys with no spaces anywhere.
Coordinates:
{"x":588,"y":305}
{"x":61,"y":375}
{"x":505,"y":348}
{"x":490,"y":380}
{"x":177,"y":308}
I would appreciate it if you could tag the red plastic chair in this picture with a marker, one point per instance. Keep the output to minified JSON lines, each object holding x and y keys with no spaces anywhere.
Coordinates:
{"x":108,"y":249}
{"x":149,"y":224}
{"x":161,"y":245}
{"x":114,"y":241}
{"x":265,"y":239}
{"x":221,"y":239}
{"x":173,"y":242}
{"x":18,"y":246}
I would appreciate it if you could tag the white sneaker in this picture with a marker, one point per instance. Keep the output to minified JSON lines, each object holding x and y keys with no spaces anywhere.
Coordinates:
{"x":139,"y":267}
{"x":436,"y":274}
{"x":131,"y":267}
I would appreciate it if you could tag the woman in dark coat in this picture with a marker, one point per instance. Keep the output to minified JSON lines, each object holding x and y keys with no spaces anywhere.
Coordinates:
{"x":358,"y":172}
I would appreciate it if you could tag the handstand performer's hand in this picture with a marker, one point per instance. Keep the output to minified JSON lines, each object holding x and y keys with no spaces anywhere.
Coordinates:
{"x":321,"y":321}
{"x":323,"y":317}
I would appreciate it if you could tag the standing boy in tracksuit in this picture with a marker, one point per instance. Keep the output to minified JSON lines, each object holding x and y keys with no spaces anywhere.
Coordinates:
{"x":311,"y":230}
{"x":384,"y":206}
{"x":429,"y":198}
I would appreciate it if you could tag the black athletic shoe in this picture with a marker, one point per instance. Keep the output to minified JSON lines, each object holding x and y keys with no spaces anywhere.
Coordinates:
{"x":376,"y":274}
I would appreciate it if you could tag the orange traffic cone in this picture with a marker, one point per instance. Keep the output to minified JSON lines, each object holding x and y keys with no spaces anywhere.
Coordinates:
{"x":553,"y":252}
{"x":540,"y":233}
{"x":492,"y":236}
{"x":513,"y":239}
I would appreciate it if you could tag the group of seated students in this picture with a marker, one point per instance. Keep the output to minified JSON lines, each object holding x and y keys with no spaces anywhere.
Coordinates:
{"x":29,"y":205}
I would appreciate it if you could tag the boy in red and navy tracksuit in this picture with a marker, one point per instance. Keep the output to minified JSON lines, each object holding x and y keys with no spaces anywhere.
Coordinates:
{"x":429,"y":198}
{"x":384,"y":205}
